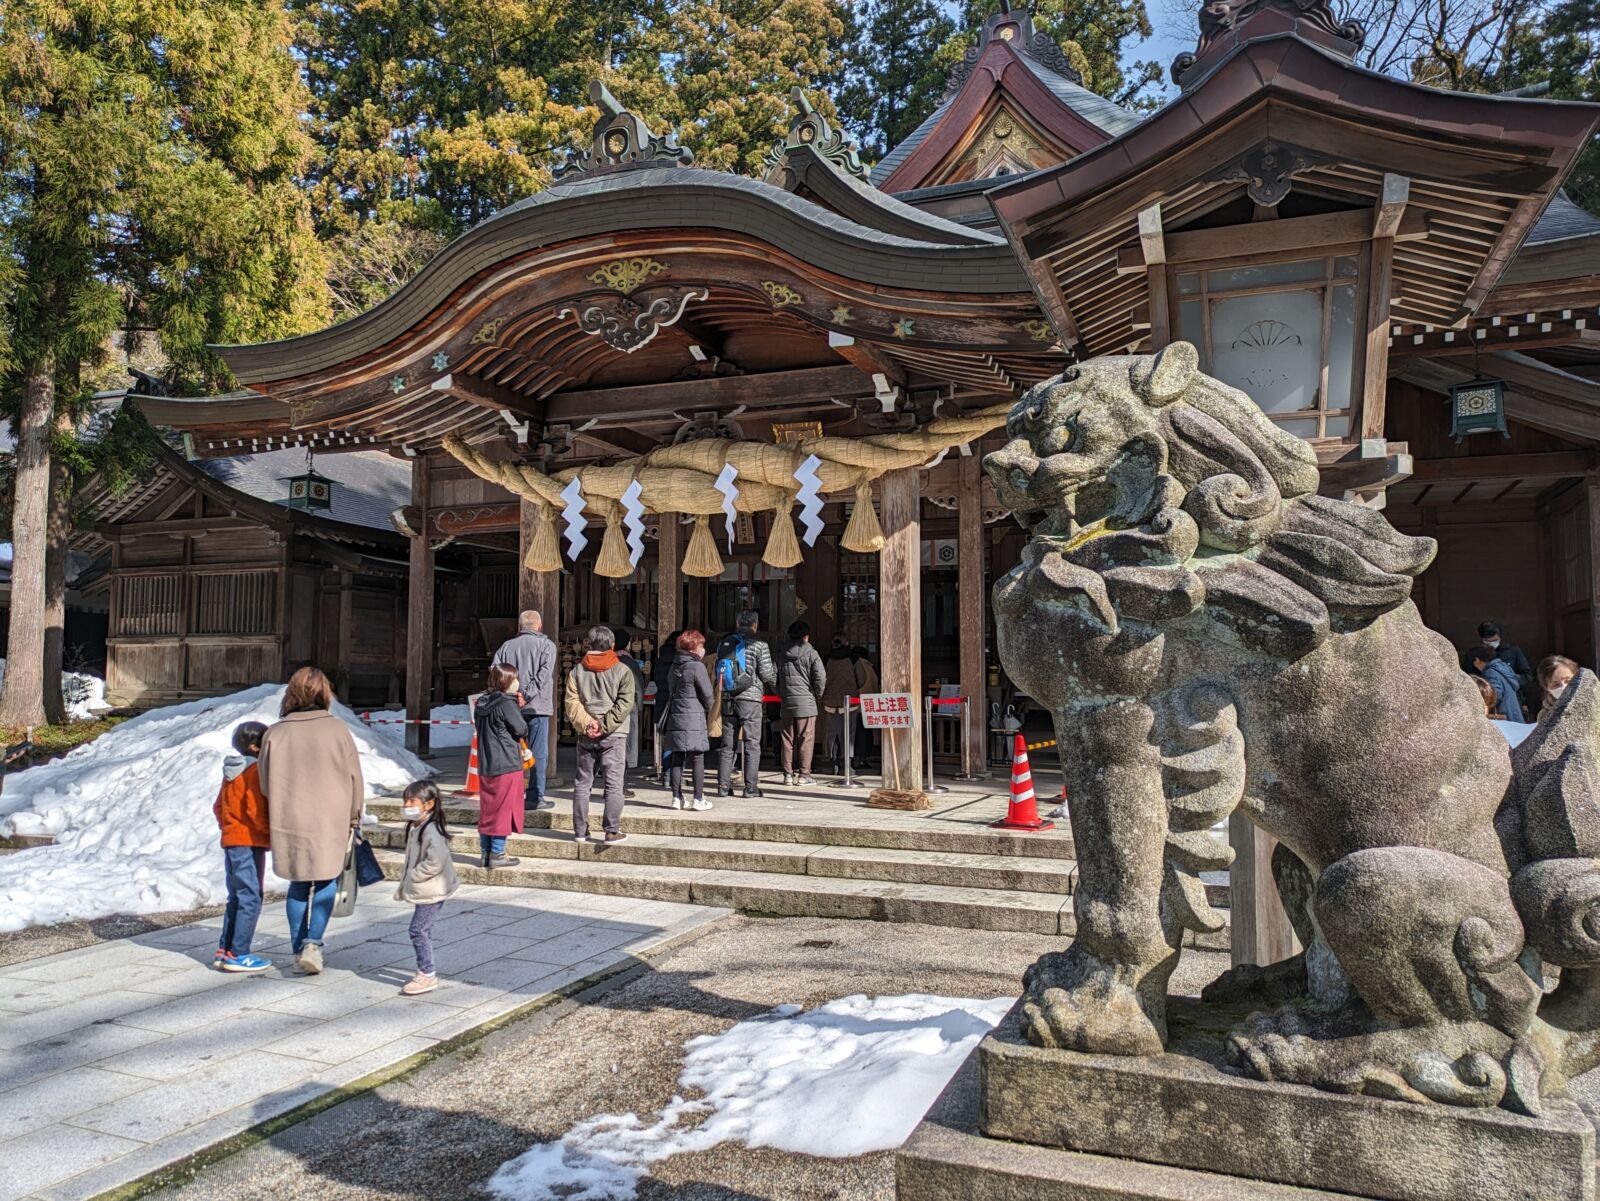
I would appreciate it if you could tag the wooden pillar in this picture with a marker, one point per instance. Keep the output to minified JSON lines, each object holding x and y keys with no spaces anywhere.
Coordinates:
{"x":669,"y":577}
{"x":973,"y":598}
{"x":419,"y":617}
{"x":347,"y":633}
{"x":1261,"y":932}
{"x":540,"y":590}
{"x":900,"y":620}
{"x":1592,"y":485}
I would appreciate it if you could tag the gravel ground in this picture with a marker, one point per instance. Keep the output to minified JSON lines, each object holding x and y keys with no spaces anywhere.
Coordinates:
{"x":38,"y":941}
{"x":441,"y":1133}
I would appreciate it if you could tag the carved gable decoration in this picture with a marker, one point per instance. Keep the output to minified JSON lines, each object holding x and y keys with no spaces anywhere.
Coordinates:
{"x":1015,"y":28}
{"x":622,"y":142}
{"x":1006,"y":145}
{"x":810,"y":128}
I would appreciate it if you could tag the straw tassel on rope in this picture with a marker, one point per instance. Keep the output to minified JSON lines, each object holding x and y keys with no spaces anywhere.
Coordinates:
{"x":783,"y":548}
{"x":701,"y":559}
{"x":862,"y":533}
{"x":613,"y":562}
{"x":544,"y":549}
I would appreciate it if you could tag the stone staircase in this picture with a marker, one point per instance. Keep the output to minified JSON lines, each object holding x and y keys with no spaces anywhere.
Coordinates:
{"x":945,"y":874}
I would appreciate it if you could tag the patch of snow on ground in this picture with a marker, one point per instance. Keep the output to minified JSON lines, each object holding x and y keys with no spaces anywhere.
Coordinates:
{"x":131,"y":812}
{"x":852,"y":1076}
{"x":387,"y":723}
{"x":85,"y":695}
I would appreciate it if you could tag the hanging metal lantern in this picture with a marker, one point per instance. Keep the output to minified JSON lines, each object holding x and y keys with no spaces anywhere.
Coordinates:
{"x":1478,"y":407}
{"x":310,"y":491}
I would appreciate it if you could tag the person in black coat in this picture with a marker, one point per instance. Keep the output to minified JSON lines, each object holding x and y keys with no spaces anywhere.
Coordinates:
{"x":501,"y":797}
{"x":683,"y":726}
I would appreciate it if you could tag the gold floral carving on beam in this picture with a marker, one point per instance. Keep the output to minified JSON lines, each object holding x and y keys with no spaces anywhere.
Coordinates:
{"x":487,"y":331}
{"x":782,"y":294}
{"x":1038,"y":329}
{"x":795,"y":431}
{"x":827,"y":607}
{"x":624,"y":275}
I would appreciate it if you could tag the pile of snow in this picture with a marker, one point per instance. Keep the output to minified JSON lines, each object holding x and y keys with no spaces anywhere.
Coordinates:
{"x":84,"y":694}
{"x":390,"y":724}
{"x":852,"y":1076}
{"x":131,"y":814}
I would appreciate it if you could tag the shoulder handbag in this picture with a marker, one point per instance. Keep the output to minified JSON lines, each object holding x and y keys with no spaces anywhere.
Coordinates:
{"x":368,"y":870}
{"x":344,"y":902}
{"x":714,"y":718}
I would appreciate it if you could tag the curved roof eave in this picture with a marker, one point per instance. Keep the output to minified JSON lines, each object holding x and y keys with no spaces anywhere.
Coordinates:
{"x":1276,"y":64}
{"x":640,"y":200}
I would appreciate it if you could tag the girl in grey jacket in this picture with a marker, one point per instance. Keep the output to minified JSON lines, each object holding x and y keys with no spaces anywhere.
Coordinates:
{"x":428,"y":878}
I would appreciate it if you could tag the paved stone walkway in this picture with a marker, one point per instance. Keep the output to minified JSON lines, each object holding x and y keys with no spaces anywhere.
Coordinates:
{"x":122,"y":1058}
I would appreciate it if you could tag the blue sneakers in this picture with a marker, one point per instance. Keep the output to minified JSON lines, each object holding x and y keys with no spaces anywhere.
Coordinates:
{"x":246,"y":963}
{"x":221,"y":957}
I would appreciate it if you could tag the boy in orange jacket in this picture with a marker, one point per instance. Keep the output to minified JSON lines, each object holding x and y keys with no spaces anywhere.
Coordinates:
{"x":241,"y":811}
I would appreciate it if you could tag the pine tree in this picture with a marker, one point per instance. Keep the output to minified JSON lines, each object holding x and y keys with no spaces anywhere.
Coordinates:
{"x":894,"y":81}
{"x":733,"y":65}
{"x":148,"y":159}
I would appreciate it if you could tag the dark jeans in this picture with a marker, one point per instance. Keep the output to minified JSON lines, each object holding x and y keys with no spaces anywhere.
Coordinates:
{"x":495,"y":845}
{"x":422,"y":935}
{"x":741,"y":724}
{"x":675,"y":773}
{"x":309,"y":906}
{"x":539,"y":744}
{"x":244,"y":867}
{"x":607,"y":759}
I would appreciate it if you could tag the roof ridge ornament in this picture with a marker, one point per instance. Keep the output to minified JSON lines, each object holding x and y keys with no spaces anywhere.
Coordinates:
{"x":809,"y":128}
{"x":622,"y":141}
{"x":1014,"y":26}
{"x":1226,"y":24}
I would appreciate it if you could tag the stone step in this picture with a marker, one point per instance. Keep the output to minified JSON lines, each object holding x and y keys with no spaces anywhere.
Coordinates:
{"x":890,"y":831}
{"x":950,"y":868}
{"x":777,"y":894}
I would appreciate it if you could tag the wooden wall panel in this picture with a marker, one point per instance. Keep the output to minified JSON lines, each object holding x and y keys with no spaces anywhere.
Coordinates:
{"x":1489,"y":567}
{"x":134,"y":669}
{"x":236,"y":546}
{"x":227,"y":664}
{"x":150,"y":550}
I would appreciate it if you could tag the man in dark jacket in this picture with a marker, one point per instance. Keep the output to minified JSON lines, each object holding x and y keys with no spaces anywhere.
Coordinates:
{"x":1501,"y":679}
{"x":1491,"y":635}
{"x":533,"y":657}
{"x":801,"y":682}
{"x":744,"y":671}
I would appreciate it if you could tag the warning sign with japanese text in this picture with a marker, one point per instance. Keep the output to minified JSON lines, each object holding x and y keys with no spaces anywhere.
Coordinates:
{"x":886,"y":710}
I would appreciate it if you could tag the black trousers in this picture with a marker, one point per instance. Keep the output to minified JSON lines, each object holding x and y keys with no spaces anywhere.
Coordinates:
{"x":741,"y":724}
{"x":680,"y":759}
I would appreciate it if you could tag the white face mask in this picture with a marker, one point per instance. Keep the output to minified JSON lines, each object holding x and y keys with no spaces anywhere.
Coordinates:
{"x":1494,"y":642}
{"x":411,"y":812}
{"x":1557,"y":689}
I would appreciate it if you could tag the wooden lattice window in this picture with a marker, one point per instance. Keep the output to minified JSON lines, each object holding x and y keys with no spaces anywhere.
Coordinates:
{"x":1285,"y":333}
{"x":149,"y":604}
{"x":235,"y":602}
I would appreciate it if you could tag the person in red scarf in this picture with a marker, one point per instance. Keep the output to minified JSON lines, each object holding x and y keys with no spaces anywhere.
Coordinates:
{"x":599,"y":705}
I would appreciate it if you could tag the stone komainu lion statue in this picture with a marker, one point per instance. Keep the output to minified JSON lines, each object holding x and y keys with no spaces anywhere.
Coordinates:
{"x":1212,"y":636}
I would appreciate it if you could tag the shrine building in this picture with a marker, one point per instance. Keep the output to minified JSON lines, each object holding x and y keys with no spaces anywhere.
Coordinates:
{"x":653,"y":394}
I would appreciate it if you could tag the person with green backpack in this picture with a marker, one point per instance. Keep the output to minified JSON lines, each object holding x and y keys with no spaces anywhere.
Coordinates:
{"x":745,"y":674}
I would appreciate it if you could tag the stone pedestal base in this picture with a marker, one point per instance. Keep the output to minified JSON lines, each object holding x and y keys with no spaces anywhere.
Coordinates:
{"x":1056,"y":1126}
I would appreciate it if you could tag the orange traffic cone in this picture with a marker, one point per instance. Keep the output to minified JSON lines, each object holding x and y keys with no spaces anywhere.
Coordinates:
{"x":470,"y":788}
{"x":1023,"y":812}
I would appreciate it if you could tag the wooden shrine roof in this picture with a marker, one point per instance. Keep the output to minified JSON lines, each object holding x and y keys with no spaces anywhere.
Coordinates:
{"x":631,"y":296}
{"x":1014,"y":67}
{"x":1276,"y":115}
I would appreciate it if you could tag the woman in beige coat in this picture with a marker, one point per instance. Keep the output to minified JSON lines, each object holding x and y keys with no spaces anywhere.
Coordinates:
{"x":311,"y":777}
